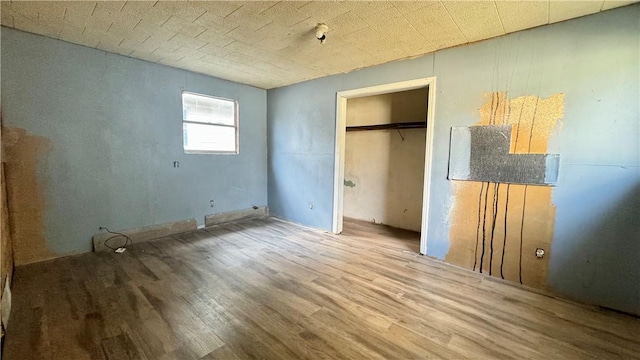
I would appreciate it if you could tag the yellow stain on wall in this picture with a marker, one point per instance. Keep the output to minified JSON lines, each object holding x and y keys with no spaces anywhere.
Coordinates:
{"x":27,"y":204}
{"x":524,"y":214}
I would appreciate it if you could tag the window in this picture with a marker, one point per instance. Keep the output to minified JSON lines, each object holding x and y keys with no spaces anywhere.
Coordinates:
{"x":209,"y":124}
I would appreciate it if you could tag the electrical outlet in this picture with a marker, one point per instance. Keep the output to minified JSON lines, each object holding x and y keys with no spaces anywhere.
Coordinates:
{"x":311,"y":205}
{"x":211,"y":203}
{"x":176,"y":164}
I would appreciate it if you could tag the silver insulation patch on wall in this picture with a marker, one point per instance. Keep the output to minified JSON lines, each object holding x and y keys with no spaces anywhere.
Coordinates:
{"x":481,"y":153}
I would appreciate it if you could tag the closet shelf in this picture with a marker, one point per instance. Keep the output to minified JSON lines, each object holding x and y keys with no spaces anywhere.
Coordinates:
{"x":402,"y":125}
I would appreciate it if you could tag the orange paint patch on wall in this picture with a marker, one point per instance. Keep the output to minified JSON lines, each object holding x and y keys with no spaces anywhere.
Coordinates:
{"x":496,"y":228}
{"x":23,"y":153}
{"x":533,"y":119}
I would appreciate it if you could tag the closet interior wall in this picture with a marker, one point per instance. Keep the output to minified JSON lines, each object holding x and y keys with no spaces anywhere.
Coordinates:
{"x":384,"y":169}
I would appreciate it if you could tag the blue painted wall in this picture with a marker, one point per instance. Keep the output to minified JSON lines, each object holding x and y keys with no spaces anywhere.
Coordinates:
{"x":115,"y":128}
{"x":593,"y":60}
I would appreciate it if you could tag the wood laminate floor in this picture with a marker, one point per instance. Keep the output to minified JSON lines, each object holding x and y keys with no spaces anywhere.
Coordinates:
{"x":265,"y":289}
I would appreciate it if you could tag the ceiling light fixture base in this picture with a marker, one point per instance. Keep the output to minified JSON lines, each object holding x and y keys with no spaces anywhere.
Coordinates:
{"x":321,"y":32}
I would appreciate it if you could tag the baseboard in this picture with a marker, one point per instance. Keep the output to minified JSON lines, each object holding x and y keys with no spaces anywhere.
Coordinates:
{"x":152,"y":232}
{"x":231,"y":216}
{"x":146,"y":233}
{"x":302,"y":226}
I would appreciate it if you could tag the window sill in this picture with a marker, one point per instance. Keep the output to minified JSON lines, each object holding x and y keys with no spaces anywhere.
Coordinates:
{"x":206,"y":152}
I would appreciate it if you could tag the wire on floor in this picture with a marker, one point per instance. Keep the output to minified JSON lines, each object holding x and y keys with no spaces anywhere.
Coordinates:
{"x":128,"y":241}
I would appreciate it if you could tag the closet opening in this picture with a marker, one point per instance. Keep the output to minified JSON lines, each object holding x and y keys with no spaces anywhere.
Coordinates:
{"x":383,"y":163}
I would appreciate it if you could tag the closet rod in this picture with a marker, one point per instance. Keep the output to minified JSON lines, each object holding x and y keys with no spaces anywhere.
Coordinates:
{"x":402,"y":125}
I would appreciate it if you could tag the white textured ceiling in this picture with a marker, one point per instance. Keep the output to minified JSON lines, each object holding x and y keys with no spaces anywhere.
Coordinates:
{"x":271,"y":43}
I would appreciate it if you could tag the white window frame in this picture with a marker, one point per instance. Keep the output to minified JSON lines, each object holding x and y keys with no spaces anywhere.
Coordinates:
{"x":236,"y":108}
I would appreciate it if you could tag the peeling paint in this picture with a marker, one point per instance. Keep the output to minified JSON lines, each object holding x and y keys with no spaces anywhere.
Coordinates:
{"x":349,"y":183}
